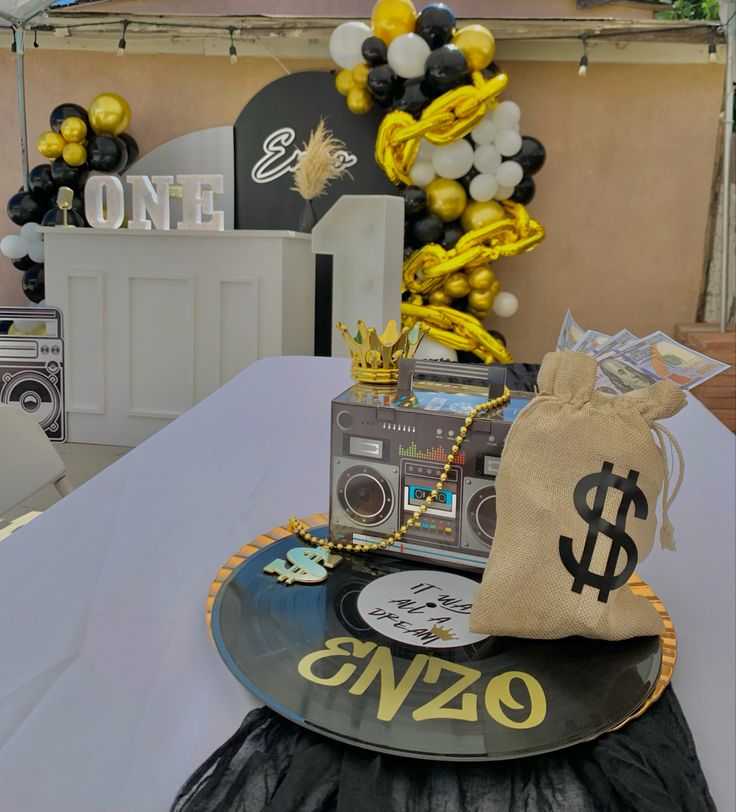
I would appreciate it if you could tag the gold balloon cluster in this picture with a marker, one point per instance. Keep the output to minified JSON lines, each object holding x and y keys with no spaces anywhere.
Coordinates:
{"x":354,"y":85}
{"x":108,"y":114}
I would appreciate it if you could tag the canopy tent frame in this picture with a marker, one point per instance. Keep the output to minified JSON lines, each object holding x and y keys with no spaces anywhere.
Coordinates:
{"x":23,"y":12}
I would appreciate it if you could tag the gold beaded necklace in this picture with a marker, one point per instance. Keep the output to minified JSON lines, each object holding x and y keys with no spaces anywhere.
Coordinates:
{"x":300,"y":529}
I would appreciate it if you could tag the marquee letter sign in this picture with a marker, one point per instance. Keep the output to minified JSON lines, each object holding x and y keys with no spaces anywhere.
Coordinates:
{"x":104,"y":202}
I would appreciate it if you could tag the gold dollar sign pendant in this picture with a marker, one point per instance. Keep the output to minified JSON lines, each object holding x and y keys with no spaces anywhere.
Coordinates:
{"x":304,"y":565}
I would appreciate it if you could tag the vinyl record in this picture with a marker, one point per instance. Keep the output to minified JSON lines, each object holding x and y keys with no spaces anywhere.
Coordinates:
{"x":379,"y":655}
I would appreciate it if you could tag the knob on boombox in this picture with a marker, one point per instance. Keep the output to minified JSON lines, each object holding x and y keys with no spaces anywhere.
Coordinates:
{"x":364,"y":495}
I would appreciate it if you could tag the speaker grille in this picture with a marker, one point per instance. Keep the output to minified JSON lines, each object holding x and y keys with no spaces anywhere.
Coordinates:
{"x":344,"y":420}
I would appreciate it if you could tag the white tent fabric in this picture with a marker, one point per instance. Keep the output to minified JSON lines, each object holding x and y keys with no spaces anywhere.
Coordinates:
{"x":22,"y":10}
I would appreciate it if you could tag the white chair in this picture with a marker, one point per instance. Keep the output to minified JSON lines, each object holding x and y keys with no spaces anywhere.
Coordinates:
{"x":28,"y":460}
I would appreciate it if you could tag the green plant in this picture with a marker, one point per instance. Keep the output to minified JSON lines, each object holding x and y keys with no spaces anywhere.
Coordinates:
{"x":690,"y":10}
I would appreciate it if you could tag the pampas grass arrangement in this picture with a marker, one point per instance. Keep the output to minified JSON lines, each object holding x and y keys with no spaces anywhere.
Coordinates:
{"x":319,"y":163}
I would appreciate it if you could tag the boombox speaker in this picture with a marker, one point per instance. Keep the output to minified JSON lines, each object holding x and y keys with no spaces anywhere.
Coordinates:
{"x":32,"y":370}
{"x":389,"y":445}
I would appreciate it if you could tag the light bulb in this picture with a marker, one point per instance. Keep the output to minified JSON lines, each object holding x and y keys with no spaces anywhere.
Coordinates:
{"x":583,"y":67}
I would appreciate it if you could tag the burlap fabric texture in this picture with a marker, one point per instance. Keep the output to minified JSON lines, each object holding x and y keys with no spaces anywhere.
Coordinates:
{"x":576,"y":498}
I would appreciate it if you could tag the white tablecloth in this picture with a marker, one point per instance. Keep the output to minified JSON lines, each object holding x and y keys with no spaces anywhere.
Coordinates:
{"x":110,"y":690}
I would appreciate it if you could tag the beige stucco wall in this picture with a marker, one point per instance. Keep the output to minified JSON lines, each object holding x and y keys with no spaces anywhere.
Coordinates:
{"x":624,"y":195}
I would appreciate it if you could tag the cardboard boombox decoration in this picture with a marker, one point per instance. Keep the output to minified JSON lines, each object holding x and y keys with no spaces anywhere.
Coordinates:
{"x":389,"y":445}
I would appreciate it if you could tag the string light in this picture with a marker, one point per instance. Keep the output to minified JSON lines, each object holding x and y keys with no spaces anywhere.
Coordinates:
{"x":122,"y":43}
{"x":35,"y":38}
{"x":232,"y":51}
{"x":712,"y":47}
{"x":583,"y":66}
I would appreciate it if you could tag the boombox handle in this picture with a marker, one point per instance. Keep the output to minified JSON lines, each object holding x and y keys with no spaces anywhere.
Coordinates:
{"x":412,"y":370}
{"x":33,"y":314}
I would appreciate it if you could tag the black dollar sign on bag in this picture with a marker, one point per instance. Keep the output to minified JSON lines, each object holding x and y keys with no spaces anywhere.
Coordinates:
{"x":630,"y":493}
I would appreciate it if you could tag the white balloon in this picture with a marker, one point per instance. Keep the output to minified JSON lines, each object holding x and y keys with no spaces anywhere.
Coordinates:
{"x":486,"y":159}
{"x":505,"y":304}
{"x":483,"y":187}
{"x":422,"y":173}
{"x":346,"y":42}
{"x":509,"y":173}
{"x":407,"y":55}
{"x":503,"y":192}
{"x":29,"y":230}
{"x":453,"y":160}
{"x":485,"y":131}
{"x":426,"y":148}
{"x":36,"y":251}
{"x":13,"y":246}
{"x":506,"y":115}
{"x":508,"y":142}
{"x":433,"y":350}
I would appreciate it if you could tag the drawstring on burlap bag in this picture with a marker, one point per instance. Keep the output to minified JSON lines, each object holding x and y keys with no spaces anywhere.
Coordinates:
{"x":576,"y":497}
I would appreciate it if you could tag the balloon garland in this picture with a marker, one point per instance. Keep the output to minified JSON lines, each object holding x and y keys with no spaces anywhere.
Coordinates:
{"x":78,"y":142}
{"x":457,"y":155}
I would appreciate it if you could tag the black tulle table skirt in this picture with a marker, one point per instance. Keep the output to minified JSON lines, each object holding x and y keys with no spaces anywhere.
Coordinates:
{"x":272,"y":765}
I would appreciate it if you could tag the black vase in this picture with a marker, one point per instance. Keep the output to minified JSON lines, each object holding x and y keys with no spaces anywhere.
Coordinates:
{"x":308,"y":218}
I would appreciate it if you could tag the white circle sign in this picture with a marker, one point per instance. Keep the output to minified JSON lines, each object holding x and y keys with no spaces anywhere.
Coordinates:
{"x":423,"y":608}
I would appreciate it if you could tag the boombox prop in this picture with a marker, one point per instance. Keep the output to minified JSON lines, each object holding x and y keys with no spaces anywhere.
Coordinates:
{"x":32,"y":369}
{"x":389,"y":444}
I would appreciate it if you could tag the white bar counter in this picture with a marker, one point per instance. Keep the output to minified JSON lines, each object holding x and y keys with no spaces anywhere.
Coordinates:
{"x":156,"y":320}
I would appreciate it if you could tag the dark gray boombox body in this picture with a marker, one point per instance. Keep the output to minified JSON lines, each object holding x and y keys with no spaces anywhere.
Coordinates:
{"x":389,"y":445}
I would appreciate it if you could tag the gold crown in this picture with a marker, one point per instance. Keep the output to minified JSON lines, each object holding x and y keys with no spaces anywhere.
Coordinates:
{"x":376,"y":358}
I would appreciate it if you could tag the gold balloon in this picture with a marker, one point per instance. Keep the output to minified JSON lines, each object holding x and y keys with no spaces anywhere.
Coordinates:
{"x":479,"y":314}
{"x":478,"y":215}
{"x":344,"y":81}
{"x":360,"y":100}
{"x":109,"y":113}
{"x":360,"y":74}
{"x":74,"y":154}
{"x":446,"y":199}
{"x":480,"y":300}
{"x":478,"y":45}
{"x":456,"y":285}
{"x":50,"y":144}
{"x":390,"y":18}
{"x":481,"y":278}
{"x":439,"y":298}
{"x":73,"y":130}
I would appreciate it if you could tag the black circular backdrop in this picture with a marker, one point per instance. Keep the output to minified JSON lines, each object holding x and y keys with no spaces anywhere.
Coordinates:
{"x":276,"y":122}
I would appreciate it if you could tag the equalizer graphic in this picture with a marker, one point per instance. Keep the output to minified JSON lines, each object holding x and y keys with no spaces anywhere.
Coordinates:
{"x":437,"y":454}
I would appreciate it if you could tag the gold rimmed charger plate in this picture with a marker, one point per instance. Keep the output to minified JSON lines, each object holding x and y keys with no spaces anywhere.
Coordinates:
{"x":668,"y":638}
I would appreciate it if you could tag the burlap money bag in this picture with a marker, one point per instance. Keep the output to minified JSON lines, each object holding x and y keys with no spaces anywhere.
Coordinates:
{"x":576,"y":498}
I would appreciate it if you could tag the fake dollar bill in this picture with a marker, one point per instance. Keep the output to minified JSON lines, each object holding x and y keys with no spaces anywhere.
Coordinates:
{"x":570,"y":333}
{"x":653,"y":358}
{"x":591,"y":342}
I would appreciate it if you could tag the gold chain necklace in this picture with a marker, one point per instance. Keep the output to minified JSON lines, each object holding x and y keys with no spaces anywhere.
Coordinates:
{"x":300,"y":529}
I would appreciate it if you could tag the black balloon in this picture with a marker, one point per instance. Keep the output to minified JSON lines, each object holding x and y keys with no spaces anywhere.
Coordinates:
{"x":413,"y":98}
{"x":453,"y":232}
{"x":41,"y":183}
{"x":24,"y":208}
{"x":415,"y":200}
{"x":435,"y":25}
{"x":33,"y":284}
{"x":446,"y":68}
{"x":72,"y":176}
{"x":374,"y":51}
{"x":426,"y":229}
{"x":23,"y":264}
{"x":492,"y":70}
{"x":133,"y":150}
{"x":55,"y":217}
{"x":524,"y":191}
{"x":465,"y":179}
{"x":498,"y":336}
{"x":383,"y":82}
{"x":408,"y":251}
{"x":531,"y":156}
{"x":106,"y":153}
{"x":62,"y":111}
